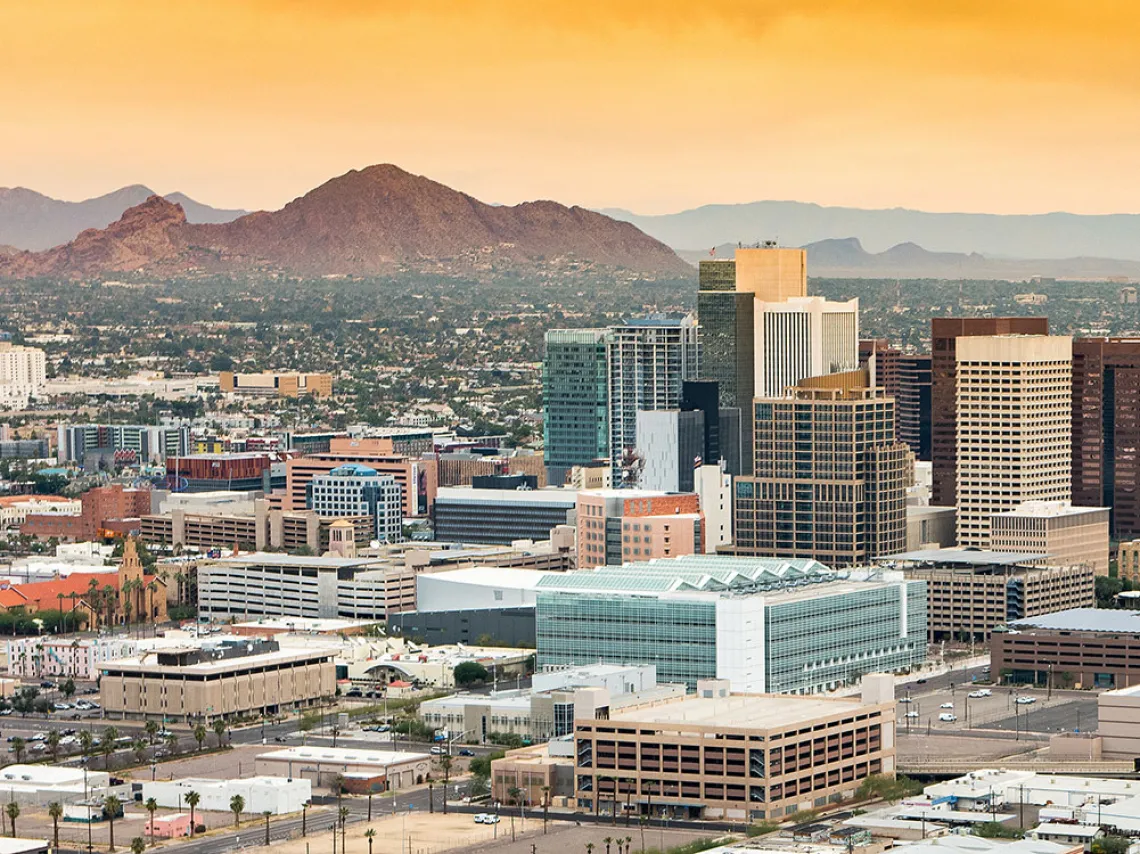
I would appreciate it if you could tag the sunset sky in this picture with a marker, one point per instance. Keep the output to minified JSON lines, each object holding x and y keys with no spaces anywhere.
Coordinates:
{"x":994,"y":105}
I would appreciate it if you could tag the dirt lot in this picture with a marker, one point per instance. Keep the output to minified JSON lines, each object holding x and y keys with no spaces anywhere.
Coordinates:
{"x":230,"y":764}
{"x":35,"y":823}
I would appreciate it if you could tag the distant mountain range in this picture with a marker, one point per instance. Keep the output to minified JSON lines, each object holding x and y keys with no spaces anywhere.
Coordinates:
{"x":31,"y":220}
{"x":1046,"y":236}
{"x":846,"y":258}
{"x":376,"y":220}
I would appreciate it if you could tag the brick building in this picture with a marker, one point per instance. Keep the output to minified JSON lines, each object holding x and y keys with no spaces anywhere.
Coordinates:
{"x":104,"y":507}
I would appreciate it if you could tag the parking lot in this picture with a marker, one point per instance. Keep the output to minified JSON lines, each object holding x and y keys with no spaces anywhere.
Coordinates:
{"x":1061,"y":711}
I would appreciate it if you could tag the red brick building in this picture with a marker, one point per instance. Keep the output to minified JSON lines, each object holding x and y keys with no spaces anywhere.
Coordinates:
{"x":104,"y":507}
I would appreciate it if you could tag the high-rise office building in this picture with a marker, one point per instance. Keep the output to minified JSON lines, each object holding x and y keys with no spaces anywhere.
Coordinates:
{"x":575,"y":399}
{"x":945,"y":333}
{"x":913,"y":404}
{"x":771,"y":273}
{"x":649,"y":360}
{"x":670,"y":445}
{"x":1106,"y":429}
{"x":23,"y":374}
{"x":359,"y":490}
{"x":803,"y":337}
{"x":882,"y":362}
{"x":829,"y":480}
{"x":1014,"y":429}
{"x":90,"y":444}
{"x":704,"y":396}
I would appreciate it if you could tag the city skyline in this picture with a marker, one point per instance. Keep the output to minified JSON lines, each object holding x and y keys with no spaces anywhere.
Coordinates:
{"x":879,"y":104}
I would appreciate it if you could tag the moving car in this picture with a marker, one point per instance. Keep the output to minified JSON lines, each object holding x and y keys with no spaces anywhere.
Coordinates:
{"x":1025,"y":701}
{"x":911,"y":715}
{"x":946,"y":706}
{"x":904,"y":699}
{"x":466,"y":752}
{"x":486,"y":818}
{"x":437,"y":750}
{"x":947,"y":717}
{"x":976,"y":695}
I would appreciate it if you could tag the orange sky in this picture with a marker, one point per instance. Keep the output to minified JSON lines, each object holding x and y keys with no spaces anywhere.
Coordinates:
{"x":989,"y":105}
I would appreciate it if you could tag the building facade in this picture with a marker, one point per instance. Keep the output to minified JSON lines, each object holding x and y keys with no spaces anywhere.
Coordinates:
{"x":830,"y":479}
{"x":764,"y":624}
{"x":1076,"y":648}
{"x":913,"y":404}
{"x":945,"y":334}
{"x":1069,"y":535}
{"x":1106,"y":429}
{"x":1014,"y":427}
{"x":575,"y":398}
{"x":108,"y":444}
{"x":23,"y":374}
{"x":670,"y":445}
{"x":499,"y":516}
{"x":803,"y":337}
{"x":620,"y":525}
{"x":101,"y":508}
{"x":358,"y":490}
{"x":735,"y":756}
{"x":276,"y":385}
{"x":649,"y":360}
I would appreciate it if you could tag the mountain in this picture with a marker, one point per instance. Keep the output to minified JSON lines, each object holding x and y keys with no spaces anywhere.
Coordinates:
{"x":375,"y":220}
{"x":31,"y":220}
{"x":1052,"y":235}
{"x":847,"y":258}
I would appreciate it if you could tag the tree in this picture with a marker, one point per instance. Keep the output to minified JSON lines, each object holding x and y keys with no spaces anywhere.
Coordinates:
{"x":138,"y":845}
{"x":151,"y":806}
{"x":370,"y":834}
{"x":342,"y":814}
{"x":107,"y":745}
{"x":609,"y":841}
{"x":55,"y":811}
{"x":52,"y":742}
{"x":112,"y":806}
{"x":200,"y":735}
{"x":68,"y":688}
{"x":221,"y":362}
{"x":138,"y":747}
{"x":18,"y":747}
{"x":192,"y":799}
{"x":470,"y":672}
{"x":151,"y":729}
{"x":237,"y":804}
{"x":267,"y":814}
{"x":220,"y":731}
{"x":1111,"y":845}
{"x":172,"y":744}
{"x":13,"y":810}
{"x":86,"y":744}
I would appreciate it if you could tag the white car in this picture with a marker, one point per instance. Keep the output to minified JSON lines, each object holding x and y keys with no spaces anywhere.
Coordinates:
{"x":904,"y":699}
{"x":977,"y":695}
{"x":947,"y":717}
{"x":486,"y":818}
{"x":946,"y":706}
{"x":911,"y":715}
{"x":1025,"y":701}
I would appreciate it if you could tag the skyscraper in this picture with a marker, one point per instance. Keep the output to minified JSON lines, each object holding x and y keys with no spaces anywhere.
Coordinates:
{"x":830,"y":479}
{"x":1106,"y":429}
{"x":1014,"y":426}
{"x":913,"y":404}
{"x":803,"y":337}
{"x":649,"y":359}
{"x":771,"y":273}
{"x":882,"y":362}
{"x":575,"y":399}
{"x":945,"y":333}
{"x":670,"y":445}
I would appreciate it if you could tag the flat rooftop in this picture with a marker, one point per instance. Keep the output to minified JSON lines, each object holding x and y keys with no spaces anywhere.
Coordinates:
{"x":1083,"y":620}
{"x":148,"y":662}
{"x":344,"y":756}
{"x":556,"y":496}
{"x":492,"y":576}
{"x":1049,"y":510}
{"x":299,"y":561}
{"x":305,"y":624}
{"x":761,"y":711}
{"x":964,"y":557}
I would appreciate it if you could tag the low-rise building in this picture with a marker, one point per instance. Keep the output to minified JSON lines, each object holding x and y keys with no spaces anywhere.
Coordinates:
{"x":39,"y":785}
{"x":1118,"y":720}
{"x":735,"y":756}
{"x":115,"y":507}
{"x":1076,"y":648}
{"x":971,"y":591}
{"x":364,"y":770}
{"x":15,"y":509}
{"x":276,"y":385}
{"x":617,"y":526}
{"x":268,"y":794}
{"x":212,"y":680}
{"x":469,"y":515}
{"x":65,"y":657}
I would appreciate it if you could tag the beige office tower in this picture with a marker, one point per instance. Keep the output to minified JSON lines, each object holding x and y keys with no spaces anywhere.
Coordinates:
{"x":1014,"y":431}
{"x":771,"y":273}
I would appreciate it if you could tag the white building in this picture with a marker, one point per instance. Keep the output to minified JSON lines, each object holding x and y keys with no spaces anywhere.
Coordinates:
{"x":1014,"y":427}
{"x":477,"y":587}
{"x":274,"y":795}
{"x":63,"y":657}
{"x":670,"y":444}
{"x":358,"y":490}
{"x":377,"y":770}
{"x":41,"y":784}
{"x":803,"y":337}
{"x":14,"y":509}
{"x":714,"y":487}
{"x":23,"y":374}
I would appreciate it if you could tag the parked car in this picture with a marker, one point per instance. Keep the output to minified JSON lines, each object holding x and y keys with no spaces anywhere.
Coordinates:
{"x":486,"y":818}
{"x":61,"y":707}
{"x":947,"y":717}
{"x":911,"y":715}
{"x":466,"y":752}
{"x":976,"y":695}
{"x":946,"y":706}
{"x":904,"y":699}
{"x":1025,"y":701}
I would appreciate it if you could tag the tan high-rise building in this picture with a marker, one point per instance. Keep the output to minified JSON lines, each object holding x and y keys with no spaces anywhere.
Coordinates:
{"x":1014,"y":426}
{"x":1070,"y":536}
{"x":771,"y":273}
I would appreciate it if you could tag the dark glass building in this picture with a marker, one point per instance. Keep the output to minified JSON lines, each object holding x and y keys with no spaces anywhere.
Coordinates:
{"x":575,"y":399}
{"x":912,"y":404}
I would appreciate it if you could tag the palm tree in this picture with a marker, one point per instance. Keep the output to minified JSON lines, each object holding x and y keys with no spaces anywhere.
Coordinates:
{"x":13,"y":810}
{"x":151,"y":616}
{"x":138,"y":746}
{"x":444,"y":762}
{"x":111,"y":808}
{"x":151,"y":806}
{"x":172,"y":744}
{"x":342,"y":814}
{"x":179,"y":579}
{"x":628,"y":840}
{"x":192,"y":799}
{"x":62,"y":617}
{"x":107,"y":745}
{"x":138,"y":845}
{"x":200,"y":735}
{"x":86,"y":744}
{"x":589,"y":848}
{"x":110,"y":600}
{"x":237,"y":804}
{"x":151,"y":729}
{"x":52,"y":742}
{"x":267,"y":814}
{"x":609,"y":841}
{"x":18,"y":747}
{"x":370,"y":834}
{"x":220,"y":731}
{"x":55,"y":810}
{"x":73,"y":596}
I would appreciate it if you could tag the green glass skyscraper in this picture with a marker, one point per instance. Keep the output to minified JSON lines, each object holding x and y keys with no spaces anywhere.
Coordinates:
{"x":575,"y":399}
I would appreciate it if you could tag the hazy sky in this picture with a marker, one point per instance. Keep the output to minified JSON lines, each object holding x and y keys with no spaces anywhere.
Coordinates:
{"x":993,"y":105}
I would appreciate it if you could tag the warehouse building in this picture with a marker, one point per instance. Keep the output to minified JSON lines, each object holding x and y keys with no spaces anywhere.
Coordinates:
{"x":274,"y":795}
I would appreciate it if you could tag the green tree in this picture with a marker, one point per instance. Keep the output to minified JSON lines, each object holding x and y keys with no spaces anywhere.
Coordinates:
{"x":151,"y":729}
{"x":219,"y":731}
{"x":444,"y":763}
{"x":138,"y":747}
{"x":68,"y":688}
{"x":151,"y":807}
{"x":86,"y":744}
{"x":192,"y":799}
{"x":13,"y":810}
{"x":55,"y":812}
{"x":52,"y":742}
{"x":370,"y":834}
{"x":470,"y":673}
{"x":1111,"y":845}
{"x":107,"y":745}
{"x":18,"y":747}
{"x":200,"y":735}
{"x":112,"y":806}
{"x":237,"y":804}
{"x":138,"y":845}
